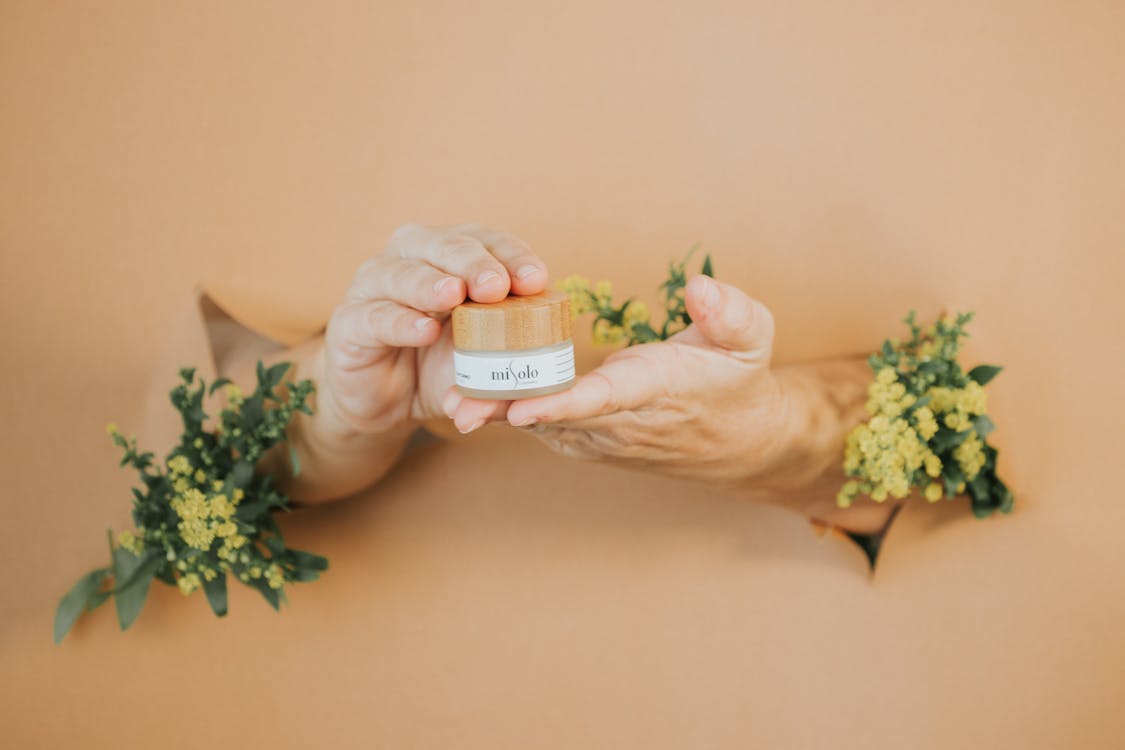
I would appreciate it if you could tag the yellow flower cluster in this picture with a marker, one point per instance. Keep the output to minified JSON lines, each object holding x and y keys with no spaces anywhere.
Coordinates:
{"x":132,"y":542}
{"x":959,"y":405}
{"x":887,"y":450}
{"x":577,"y":288}
{"x":204,"y":518}
{"x":586,"y":297}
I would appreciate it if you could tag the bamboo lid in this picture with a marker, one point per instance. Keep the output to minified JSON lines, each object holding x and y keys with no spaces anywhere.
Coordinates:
{"x":514,"y":323}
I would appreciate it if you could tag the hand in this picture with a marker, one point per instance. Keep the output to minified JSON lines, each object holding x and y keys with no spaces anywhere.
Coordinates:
{"x":704,"y":403}
{"x":386,"y":357}
{"x":388,"y":352}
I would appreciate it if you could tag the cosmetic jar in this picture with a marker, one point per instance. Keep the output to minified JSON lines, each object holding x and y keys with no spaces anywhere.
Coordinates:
{"x":516,"y":348}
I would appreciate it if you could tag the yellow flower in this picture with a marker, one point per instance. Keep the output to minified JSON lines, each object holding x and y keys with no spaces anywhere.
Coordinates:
{"x":847,"y":494}
{"x":607,"y":333}
{"x":226,"y":529}
{"x":191,"y":505}
{"x":603,"y":291}
{"x":111,"y":429}
{"x":957,"y":421}
{"x":636,"y":312}
{"x":970,"y":456}
{"x":933,"y":492}
{"x":274,"y":576}
{"x":925,"y":423}
{"x":188,"y":583}
{"x":200,"y":476}
{"x":577,"y":288}
{"x":198,"y":442}
{"x":221,"y":507}
{"x":237,"y":496}
{"x":933,"y":465}
{"x":196,"y":533}
{"x":130,"y":542}
{"x":179,"y":465}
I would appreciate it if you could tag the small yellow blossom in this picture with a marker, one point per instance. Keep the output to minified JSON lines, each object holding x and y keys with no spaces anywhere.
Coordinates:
{"x":274,"y":576}
{"x":636,"y":313}
{"x":111,"y":429}
{"x":933,"y":492}
{"x":221,"y":507}
{"x":577,"y":288}
{"x":131,"y":542}
{"x":607,"y":333}
{"x":179,"y":465}
{"x":925,"y":423}
{"x":188,"y":583}
{"x":200,"y":476}
{"x":970,"y":456}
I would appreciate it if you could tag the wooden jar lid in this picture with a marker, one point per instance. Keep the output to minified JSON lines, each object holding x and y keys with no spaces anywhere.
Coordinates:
{"x":514,"y":323}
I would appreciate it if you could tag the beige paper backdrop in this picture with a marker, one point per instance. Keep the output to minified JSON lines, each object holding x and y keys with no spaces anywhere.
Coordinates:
{"x":842,"y":161}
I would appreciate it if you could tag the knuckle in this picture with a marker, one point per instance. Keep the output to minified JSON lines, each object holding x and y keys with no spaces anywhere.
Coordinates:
{"x":460,"y":250}
{"x":402,"y":231}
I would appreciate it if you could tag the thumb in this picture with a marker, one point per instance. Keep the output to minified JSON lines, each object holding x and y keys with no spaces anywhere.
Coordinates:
{"x":727,"y":317}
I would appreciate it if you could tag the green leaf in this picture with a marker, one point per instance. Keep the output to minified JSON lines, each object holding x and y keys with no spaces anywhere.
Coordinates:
{"x":953,"y":477}
{"x":131,"y":600}
{"x":83,"y":596}
{"x":945,"y":438}
{"x":982,"y":374}
{"x":294,"y":459}
{"x":275,"y":374}
{"x":707,"y":269}
{"x":149,"y":562}
{"x":308,"y":561}
{"x":217,"y":385}
{"x":216,"y":590}
{"x":241,"y":474}
{"x":272,"y":596}
{"x":983,"y":425}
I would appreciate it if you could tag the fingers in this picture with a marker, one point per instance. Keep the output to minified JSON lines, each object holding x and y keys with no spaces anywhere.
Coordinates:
{"x":408,"y":282}
{"x":528,"y":274}
{"x":726,"y":317}
{"x":358,"y":329}
{"x":490,"y":263}
{"x":469,"y":414}
{"x":623,"y":383}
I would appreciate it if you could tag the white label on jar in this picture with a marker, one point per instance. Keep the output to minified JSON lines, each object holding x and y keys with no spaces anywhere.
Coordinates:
{"x":510,"y":371}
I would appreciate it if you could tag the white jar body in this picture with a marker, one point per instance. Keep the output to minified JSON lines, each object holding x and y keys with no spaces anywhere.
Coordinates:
{"x":506,"y":375}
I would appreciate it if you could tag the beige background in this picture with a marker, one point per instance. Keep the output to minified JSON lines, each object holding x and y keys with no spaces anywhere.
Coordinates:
{"x":842,"y":161}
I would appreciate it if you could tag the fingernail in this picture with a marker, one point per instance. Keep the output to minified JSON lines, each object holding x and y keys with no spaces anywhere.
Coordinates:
{"x":525,"y":422}
{"x":710,"y":298}
{"x":449,"y":405}
{"x":474,"y":426}
{"x":423,"y":323}
{"x":442,"y":284}
{"x":526,"y":272}
{"x":487,"y":278}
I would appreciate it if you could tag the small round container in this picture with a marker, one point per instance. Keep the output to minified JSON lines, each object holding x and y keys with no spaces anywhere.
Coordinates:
{"x":517,"y":348}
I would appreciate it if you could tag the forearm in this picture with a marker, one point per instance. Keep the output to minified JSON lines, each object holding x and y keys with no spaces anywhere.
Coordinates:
{"x":335,"y":459}
{"x":822,"y":402}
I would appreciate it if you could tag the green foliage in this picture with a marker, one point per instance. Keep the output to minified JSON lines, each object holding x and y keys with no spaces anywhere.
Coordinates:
{"x":630,"y":321}
{"x":204,"y":513}
{"x":929,"y":426}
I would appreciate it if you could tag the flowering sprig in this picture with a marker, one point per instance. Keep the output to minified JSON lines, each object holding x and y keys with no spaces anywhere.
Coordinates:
{"x":630,"y":321}
{"x":929,"y":424}
{"x":204,"y":513}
